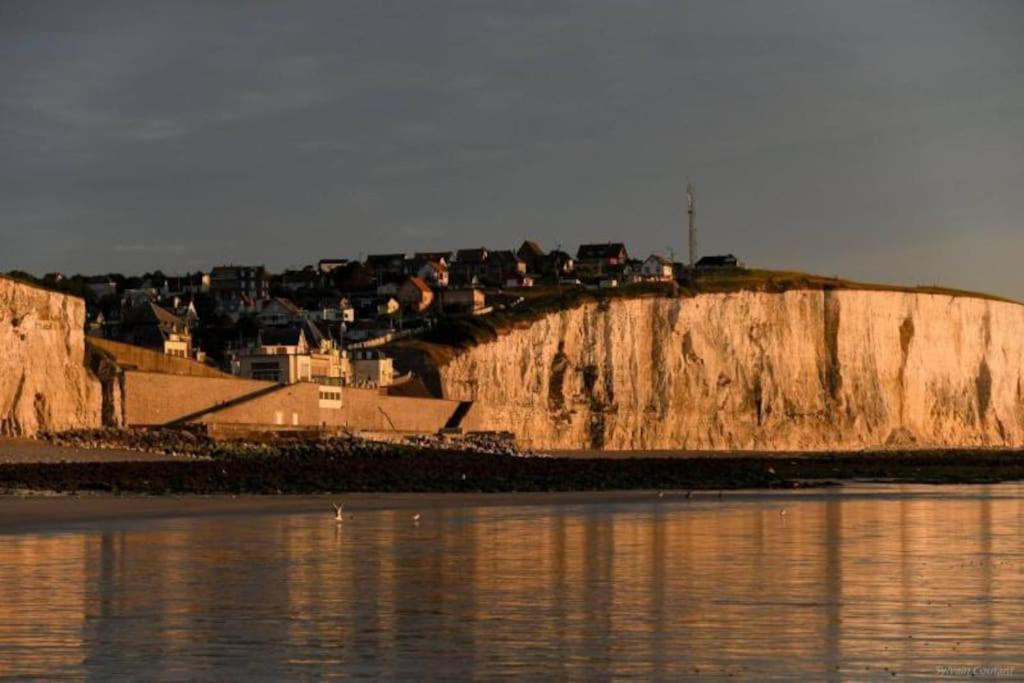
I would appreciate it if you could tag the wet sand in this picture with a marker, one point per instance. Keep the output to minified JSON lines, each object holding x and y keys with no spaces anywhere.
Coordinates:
{"x":52,"y":511}
{"x":35,"y":511}
{"x":34,"y":451}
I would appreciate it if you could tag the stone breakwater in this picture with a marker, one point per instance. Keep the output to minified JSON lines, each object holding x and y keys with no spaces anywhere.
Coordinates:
{"x":44,"y":384}
{"x":387,"y":467}
{"x":803,"y":370}
{"x":197,"y":444}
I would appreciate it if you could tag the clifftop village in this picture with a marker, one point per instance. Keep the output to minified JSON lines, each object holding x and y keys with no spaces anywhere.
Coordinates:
{"x":325,"y":324}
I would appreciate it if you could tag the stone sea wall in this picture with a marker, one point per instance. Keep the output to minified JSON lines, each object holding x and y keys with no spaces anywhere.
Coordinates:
{"x":803,"y":370}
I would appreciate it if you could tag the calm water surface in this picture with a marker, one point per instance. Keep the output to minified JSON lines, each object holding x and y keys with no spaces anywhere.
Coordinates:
{"x":851,"y":584}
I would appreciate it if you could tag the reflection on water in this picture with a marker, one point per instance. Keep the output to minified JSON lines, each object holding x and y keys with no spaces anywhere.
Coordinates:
{"x":859,"y":583}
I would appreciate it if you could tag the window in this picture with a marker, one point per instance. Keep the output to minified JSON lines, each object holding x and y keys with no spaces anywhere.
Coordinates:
{"x":269,"y":375}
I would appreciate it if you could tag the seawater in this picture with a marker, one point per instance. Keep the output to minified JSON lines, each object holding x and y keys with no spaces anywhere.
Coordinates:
{"x":858,"y":582}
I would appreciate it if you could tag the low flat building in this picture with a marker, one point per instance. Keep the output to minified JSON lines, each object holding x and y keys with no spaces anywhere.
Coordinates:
{"x":462,"y":300}
{"x":722,"y":262}
{"x":326,"y":265}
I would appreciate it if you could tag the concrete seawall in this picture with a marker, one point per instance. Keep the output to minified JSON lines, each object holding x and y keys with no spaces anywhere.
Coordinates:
{"x":152,"y":399}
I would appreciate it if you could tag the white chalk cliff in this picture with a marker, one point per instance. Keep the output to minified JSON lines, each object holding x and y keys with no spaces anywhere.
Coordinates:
{"x":800,"y":370}
{"x":44,"y":384}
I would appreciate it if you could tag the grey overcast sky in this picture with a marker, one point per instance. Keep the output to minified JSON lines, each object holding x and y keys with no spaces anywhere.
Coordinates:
{"x":878,"y":140}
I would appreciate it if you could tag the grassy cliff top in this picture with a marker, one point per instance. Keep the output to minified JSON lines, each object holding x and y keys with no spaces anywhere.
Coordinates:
{"x":453,"y":335}
{"x":27,"y":280}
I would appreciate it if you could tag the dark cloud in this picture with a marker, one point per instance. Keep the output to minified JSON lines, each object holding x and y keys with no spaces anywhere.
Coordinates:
{"x":875,"y":140}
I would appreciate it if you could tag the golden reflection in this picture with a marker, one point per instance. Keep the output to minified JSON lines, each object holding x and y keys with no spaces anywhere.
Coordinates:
{"x":862,"y":583}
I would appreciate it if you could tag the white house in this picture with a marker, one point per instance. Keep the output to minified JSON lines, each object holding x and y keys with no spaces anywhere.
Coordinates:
{"x":370,"y":367}
{"x":656,"y":268}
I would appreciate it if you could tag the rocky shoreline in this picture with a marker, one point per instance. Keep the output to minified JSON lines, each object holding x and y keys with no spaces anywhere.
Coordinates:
{"x":195,"y":443}
{"x":347,"y":464}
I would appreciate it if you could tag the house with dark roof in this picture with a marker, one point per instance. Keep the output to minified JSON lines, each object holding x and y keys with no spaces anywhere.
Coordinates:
{"x":101,"y":286}
{"x":434,"y":273}
{"x":230,"y":284}
{"x":415,"y":295}
{"x":386,"y":267}
{"x":558,"y":264}
{"x":155,"y":327}
{"x":351,"y":277}
{"x":470,"y":265}
{"x":292,"y":336}
{"x":294,"y":280}
{"x":594,"y":261}
{"x":532,"y":255}
{"x":279,"y":311}
{"x":656,"y":267}
{"x":503,"y":265}
{"x":444,"y":257}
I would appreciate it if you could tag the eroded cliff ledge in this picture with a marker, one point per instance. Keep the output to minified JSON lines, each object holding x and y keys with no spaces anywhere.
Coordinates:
{"x":44,"y":384}
{"x":799,"y":370}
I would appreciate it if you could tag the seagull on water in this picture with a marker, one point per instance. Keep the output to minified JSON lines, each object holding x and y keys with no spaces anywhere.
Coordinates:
{"x":339,"y":515}
{"x":783,"y":512}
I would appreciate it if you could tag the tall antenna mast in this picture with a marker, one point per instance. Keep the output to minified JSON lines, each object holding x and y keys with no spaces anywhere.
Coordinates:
{"x":691,"y":210}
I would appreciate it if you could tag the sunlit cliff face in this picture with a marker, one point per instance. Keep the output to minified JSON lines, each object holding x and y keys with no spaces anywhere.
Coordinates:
{"x":801,"y":370}
{"x":44,"y":384}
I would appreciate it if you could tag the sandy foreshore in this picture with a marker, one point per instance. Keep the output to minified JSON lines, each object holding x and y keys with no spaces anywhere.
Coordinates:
{"x":25,"y":512}
{"x":14,"y":450}
{"x":44,"y":512}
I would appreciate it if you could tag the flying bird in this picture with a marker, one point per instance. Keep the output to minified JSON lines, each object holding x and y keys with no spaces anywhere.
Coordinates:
{"x":416,"y":518}
{"x":339,"y":515}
